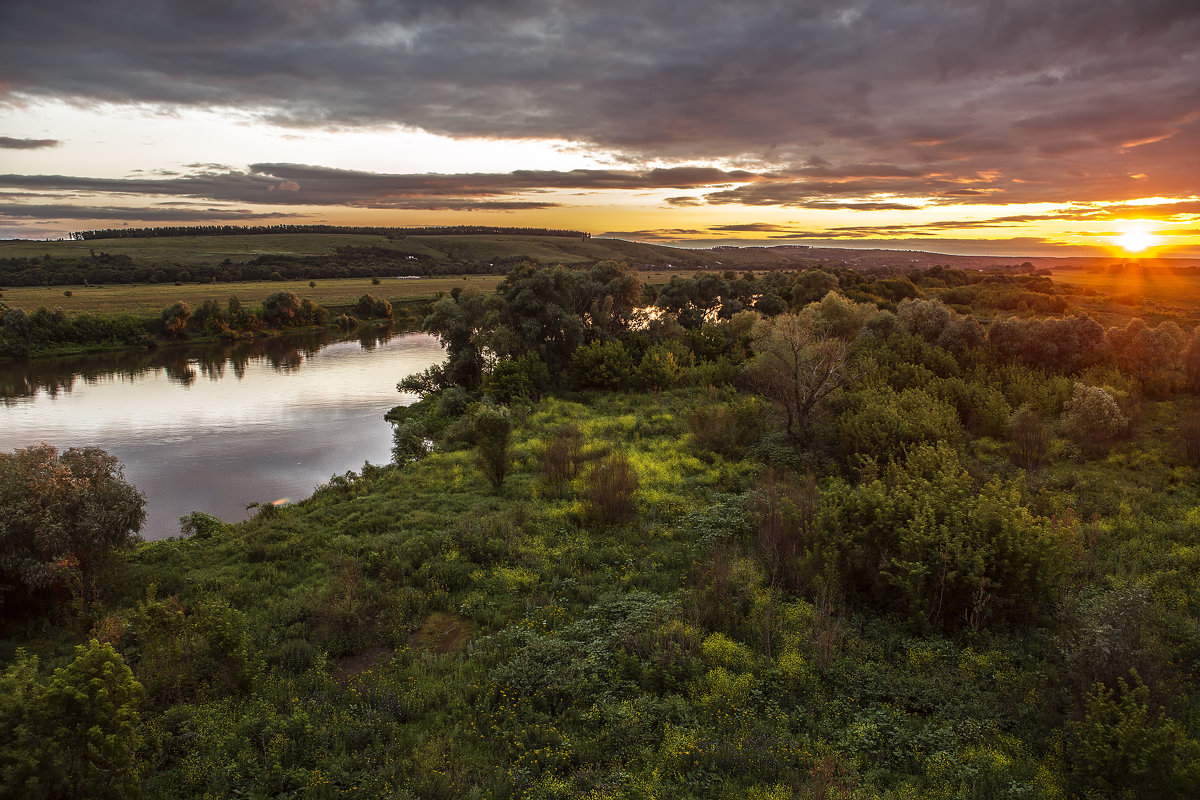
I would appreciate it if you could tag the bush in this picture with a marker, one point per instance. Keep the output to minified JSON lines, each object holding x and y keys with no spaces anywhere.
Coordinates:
{"x":925,"y":540}
{"x":183,"y":652}
{"x":658,"y":369}
{"x":1189,"y":440}
{"x":492,"y":428}
{"x":1092,"y":416}
{"x":524,"y":378}
{"x":1029,"y":438}
{"x":175,"y":318}
{"x":371,"y":307}
{"x":560,"y":458}
{"x":1120,"y":747}
{"x":611,"y":497}
{"x":728,"y":428}
{"x":76,"y":736}
{"x":281,"y":309}
{"x":297,"y":655}
{"x":409,"y":441}
{"x":601,"y":366}
{"x":882,"y":422}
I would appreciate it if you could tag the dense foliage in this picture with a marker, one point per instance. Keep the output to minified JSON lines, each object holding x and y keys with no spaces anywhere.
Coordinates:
{"x":43,"y":331}
{"x":62,"y":514}
{"x":601,"y":567}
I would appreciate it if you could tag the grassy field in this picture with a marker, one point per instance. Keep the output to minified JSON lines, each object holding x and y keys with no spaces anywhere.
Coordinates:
{"x":190,"y":250}
{"x":150,"y":299}
{"x":1153,"y":296}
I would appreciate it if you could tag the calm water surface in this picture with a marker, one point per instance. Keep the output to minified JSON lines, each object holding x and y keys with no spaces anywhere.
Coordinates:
{"x":214,"y":428}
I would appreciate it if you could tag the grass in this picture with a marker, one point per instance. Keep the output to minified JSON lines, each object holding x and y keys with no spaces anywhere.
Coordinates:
{"x":191,"y":250}
{"x":1154,"y":296}
{"x":151,"y":299}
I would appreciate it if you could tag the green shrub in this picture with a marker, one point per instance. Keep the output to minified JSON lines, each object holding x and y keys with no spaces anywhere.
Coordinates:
{"x":924,"y":539}
{"x":1092,"y":416}
{"x":491,"y":427}
{"x":525,"y":378}
{"x":881,"y":422}
{"x":1121,"y":748}
{"x":372,"y":307}
{"x":599,"y":365}
{"x":728,"y":428}
{"x":1029,"y":438}
{"x":297,"y":655}
{"x":76,"y":736}
{"x":611,"y":496}
{"x":658,"y":369}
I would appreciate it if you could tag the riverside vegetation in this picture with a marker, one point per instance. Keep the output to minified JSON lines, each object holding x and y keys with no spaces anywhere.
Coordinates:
{"x":46,"y":332}
{"x":795,"y":535}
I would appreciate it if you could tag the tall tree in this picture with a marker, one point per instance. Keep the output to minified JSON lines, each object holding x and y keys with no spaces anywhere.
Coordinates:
{"x":798,"y":366}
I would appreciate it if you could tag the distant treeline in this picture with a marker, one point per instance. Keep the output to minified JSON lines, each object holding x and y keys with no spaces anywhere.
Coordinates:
{"x":243,"y":230}
{"x":346,"y":262}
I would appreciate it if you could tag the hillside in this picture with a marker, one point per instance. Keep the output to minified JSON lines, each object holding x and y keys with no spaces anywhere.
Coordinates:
{"x":809,"y":547}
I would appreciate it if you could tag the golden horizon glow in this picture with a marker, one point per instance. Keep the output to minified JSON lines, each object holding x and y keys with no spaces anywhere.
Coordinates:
{"x":1137,"y":240}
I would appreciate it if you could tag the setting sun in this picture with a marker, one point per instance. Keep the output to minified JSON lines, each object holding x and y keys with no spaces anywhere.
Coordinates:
{"x":1136,"y":241}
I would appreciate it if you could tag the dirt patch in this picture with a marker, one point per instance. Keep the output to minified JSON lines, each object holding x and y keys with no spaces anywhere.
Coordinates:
{"x":442,"y":633}
{"x":351,"y":667}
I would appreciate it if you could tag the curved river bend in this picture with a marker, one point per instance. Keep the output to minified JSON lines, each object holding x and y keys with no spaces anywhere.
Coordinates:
{"x":217,"y":427}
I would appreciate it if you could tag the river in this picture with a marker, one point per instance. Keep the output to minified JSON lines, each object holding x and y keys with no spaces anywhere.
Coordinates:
{"x":214,"y":428}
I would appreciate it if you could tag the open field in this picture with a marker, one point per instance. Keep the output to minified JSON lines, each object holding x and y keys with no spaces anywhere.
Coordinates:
{"x":150,"y":299}
{"x":191,"y":250}
{"x":1153,"y":296}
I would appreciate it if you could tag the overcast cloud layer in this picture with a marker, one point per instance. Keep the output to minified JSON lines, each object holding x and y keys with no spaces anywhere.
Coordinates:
{"x":857,"y":105}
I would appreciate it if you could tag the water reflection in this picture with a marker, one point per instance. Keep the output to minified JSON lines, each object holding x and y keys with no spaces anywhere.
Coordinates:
{"x":213,"y":428}
{"x":180,"y":364}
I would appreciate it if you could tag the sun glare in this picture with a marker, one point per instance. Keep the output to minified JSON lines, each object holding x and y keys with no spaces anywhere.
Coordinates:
{"x":1136,"y":241}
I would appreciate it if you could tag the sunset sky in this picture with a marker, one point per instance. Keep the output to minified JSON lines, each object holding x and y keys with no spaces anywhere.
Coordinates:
{"x":1026,"y":127}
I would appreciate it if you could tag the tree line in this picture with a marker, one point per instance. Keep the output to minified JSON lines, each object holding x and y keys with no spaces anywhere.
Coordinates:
{"x":23,"y":334}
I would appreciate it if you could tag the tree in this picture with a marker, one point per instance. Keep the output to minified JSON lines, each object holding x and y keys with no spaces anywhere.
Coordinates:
{"x":464,"y":323}
{"x":924,"y":318}
{"x":797,"y":366}
{"x":175,"y":318}
{"x":524,"y":378}
{"x":1092,"y":416}
{"x":1191,"y":361}
{"x":281,"y":309}
{"x":60,"y":515}
{"x":370,"y":306}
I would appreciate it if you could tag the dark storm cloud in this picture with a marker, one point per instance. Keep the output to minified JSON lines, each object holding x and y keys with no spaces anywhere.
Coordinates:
{"x":301,"y":184}
{"x":749,"y":227}
{"x":660,"y":234}
{"x":140,"y":214}
{"x":996,"y":100}
{"x":9,"y":143}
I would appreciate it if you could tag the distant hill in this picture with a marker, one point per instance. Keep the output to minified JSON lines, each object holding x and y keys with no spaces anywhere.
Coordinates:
{"x":264,"y":254}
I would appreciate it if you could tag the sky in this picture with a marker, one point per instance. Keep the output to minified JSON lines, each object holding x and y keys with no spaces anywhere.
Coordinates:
{"x":1006,"y":127}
